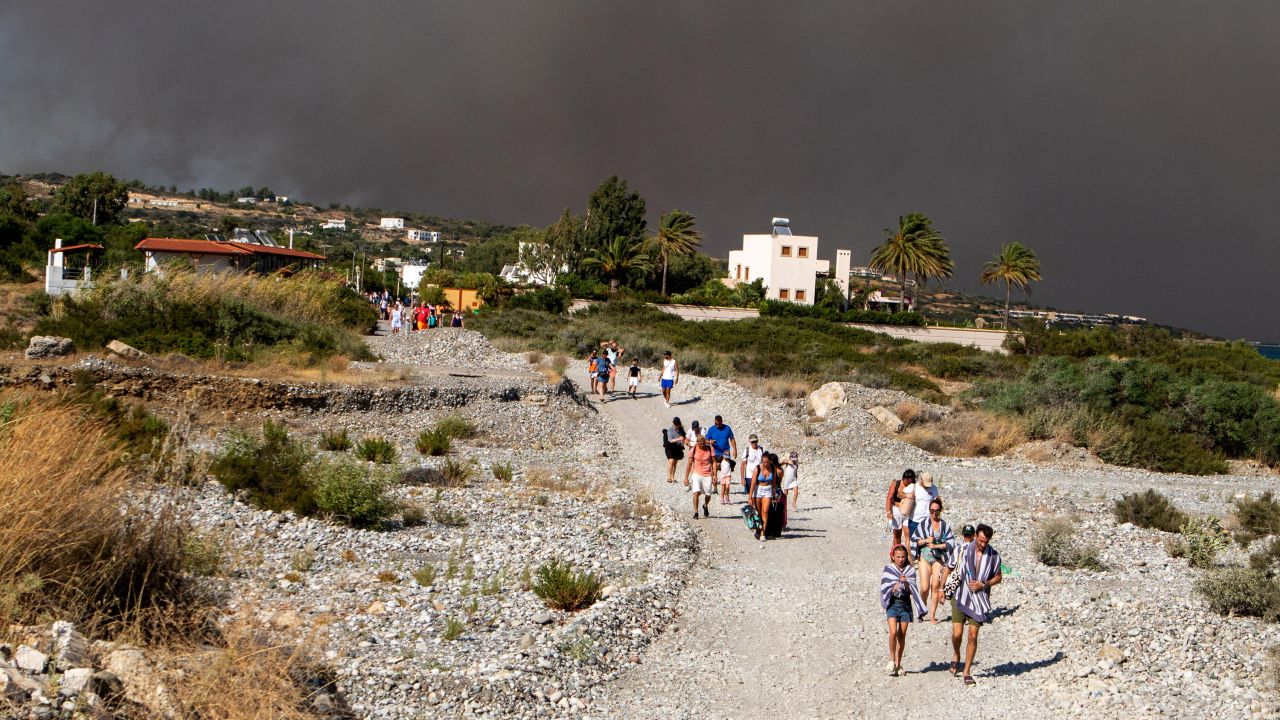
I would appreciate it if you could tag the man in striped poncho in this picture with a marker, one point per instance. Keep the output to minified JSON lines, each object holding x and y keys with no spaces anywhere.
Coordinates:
{"x":980,"y":565}
{"x":900,"y":598}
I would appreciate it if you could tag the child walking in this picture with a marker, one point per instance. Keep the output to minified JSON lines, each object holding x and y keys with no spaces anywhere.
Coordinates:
{"x":726,"y":479}
{"x":633,"y":378}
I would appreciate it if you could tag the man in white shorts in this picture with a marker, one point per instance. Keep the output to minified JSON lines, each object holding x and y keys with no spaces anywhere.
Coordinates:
{"x":633,"y":378}
{"x":699,"y":474}
{"x":670,"y":376}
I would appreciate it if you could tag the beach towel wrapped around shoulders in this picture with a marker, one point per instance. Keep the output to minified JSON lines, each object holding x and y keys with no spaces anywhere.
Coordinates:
{"x":976,"y":604}
{"x":892,"y":575}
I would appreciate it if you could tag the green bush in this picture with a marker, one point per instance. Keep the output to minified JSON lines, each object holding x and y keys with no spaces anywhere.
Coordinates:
{"x":1154,"y":444}
{"x":1205,"y":541}
{"x":351,"y":492}
{"x":449,"y":518}
{"x":1241,"y":591}
{"x":1257,"y":517}
{"x":453,"y":629}
{"x":503,"y":472}
{"x":781,"y":308}
{"x":376,"y":449}
{"x":1056,"y":544}
{"x":1149,"y":509}
{"x":456,"y":427}
{"x":457,"y":473}
{"x":561,"y":588}
{"x":338,"y":441}
{"x":544,"y":299}
{"x":268,"y":469}
{"x":433,"y":442}
{"x":425,"y":575}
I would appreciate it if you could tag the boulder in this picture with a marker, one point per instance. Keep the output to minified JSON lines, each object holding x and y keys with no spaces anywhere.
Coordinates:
{"x":70,"y":648}
{"x":119,"y":349}
{"x":16,"y":686}
{"x":30,"y":659}
{"x":143,"y":684}
{"x":885,"y":417}
{"x":47,"y":346}
{"x":826,"y":398}
{"x":75,"y":681}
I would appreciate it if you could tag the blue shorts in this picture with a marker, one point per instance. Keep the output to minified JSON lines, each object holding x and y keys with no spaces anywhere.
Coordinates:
{"x":902,"y":615}
{"x":668,"y":384}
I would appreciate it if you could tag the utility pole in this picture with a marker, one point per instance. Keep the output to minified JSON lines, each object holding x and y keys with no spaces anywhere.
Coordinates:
{"x":95,"y":211}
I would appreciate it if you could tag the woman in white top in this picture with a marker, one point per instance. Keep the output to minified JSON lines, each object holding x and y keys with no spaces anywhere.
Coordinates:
{"x":395,"y":319}
{"x":791,"y":480}
{"x":670,"y":376}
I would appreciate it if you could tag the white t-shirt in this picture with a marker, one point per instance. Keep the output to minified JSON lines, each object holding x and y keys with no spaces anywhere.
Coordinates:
{"x":790,"y":476}
{"x":924,"y":496}
{"x":669,"y":369}
{"x":752,"y":458}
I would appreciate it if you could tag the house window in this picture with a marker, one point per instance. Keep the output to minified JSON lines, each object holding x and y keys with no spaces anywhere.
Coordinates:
{"x":783,"y":294}
{"x":786,"y":251}
{"x":747,"y":274}
{"x":803,"y":252}
{"x":737,"y":273}
{"x":799,"y":296}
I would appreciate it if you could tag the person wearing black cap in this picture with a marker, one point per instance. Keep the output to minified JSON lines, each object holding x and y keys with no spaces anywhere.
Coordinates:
{"x":673,"y":442}
{"x":899,"y":527}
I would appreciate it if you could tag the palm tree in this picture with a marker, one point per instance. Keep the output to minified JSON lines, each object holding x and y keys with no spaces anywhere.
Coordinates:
{"x":676,"y":236}
{"x":618,"y":259}
{"x":1015,"y":264}
{"x":915,"y":247}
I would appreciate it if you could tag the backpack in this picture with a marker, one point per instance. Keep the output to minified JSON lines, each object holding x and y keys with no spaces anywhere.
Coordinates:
{"x":751,"y":517}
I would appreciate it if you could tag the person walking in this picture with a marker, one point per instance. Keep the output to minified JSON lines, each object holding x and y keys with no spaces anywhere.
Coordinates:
{"x":699,"y":475}
{"x":670,"y":376}
{"x":396,"y":318}
{"x":750,"y":460}
{"x":721,"y":437}
{"x":592,"y":361}
{"x":603,"y":366}
{"x":933,"y":539}
{"x":898,"y":522}
{"x":924,"y":493}
{"x":791,"y":481}
{"x":673,"y":444}
{"x":764,"y":482}
{"x":900,"y":598}
{"x":980,"y":564}
{"x":633,"y":378}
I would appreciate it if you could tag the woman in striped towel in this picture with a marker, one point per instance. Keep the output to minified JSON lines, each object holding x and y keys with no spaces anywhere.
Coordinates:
{"x":900,"y":597}
{"x":933,"y":540}
{"x":980,"y":564}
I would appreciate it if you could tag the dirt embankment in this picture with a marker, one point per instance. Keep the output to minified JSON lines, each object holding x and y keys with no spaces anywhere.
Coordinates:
{"x":215,"y":392}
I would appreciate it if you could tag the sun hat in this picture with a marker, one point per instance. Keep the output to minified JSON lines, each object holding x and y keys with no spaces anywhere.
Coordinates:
{"x":926,"y":479}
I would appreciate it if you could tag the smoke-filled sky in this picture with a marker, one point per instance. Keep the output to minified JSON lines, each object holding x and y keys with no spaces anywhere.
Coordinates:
{"x":1134,"y":145}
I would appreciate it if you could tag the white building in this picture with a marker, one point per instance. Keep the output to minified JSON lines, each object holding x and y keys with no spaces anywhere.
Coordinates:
{"x":391,"y":223}
{"x":788,"y":264}
{"x":429,"y":236}
{"x":70,"y":268}
{"x":334,"y":224}
{"x":411,"y":275}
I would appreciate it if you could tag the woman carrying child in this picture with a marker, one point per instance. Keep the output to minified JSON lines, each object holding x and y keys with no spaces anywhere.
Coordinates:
{"x":900,"y":598}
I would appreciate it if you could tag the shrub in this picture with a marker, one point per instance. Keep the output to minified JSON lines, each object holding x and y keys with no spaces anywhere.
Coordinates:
{"x":449,"y":518}
{"x":544,"y":299}
{"x":425,"y":575}
{"x":269,"y":470}
{"x":412,"y":514}
{"x":202,"y":554}
{"x":1273,"y":667}
{"x":1056,"y":544}
{"x":338,"y":441}
{"x":456,"y":427}
{"x":1176,"y":546}
{"x":560,"y":363}
{"x":376,"y":449}
{"x":503,"y":472}
{"x":1205,"y":541}
{"x":1241,"y":591}
{"x":1154,"y":444}
{"x":433,"y":442}
{"x":423,"y":476}
{"x":1149,"y":509}
{"x":351,"y":492}
{"x":966,"y":434}
{"x":457,"y":473}
{"x":1257,"y":517}
{"x":453,"y":629}
{"x":561,"y":588}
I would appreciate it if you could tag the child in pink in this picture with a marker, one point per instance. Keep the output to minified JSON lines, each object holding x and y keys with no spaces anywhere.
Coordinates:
{"x":726,"y":479}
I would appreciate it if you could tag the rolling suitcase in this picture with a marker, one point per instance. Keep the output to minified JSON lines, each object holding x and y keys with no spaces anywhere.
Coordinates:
{"x":777,"y":517}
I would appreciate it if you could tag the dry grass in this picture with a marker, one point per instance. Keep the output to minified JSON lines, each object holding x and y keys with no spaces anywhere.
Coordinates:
{"x":564,"y":480}
{"x":782,"y":387}
{"x":74,"y":544}
{"x":534,"y":357}
{"x":966,"y":434}
{"x":912,"y":413}
{"x":248,"y":679}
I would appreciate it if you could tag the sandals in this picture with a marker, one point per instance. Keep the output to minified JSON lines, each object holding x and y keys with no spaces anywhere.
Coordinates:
{"x":954,"y":669}
{"x":968,"y":680}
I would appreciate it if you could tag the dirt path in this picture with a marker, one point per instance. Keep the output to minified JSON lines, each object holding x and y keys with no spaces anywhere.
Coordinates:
{"x":791,"y":629}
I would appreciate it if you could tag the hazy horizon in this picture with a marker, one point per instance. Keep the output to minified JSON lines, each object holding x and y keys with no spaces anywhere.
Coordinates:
{"x":1132,"y":145}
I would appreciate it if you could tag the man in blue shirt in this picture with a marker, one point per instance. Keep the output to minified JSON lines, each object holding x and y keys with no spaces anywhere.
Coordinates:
{"x":721,"y":437}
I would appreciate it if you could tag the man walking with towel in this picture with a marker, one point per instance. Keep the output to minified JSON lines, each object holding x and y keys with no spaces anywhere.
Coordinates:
{"x":979,"y":564}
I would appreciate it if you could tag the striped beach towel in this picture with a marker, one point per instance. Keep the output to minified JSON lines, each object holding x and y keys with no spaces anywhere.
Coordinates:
{"x":977,"y":605}
{"x":924,"y":532}
{"x":907,"y":576}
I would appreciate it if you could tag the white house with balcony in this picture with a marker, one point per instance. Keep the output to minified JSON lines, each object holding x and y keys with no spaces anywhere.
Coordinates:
{"x":427,"y":236}
{"x":788,"y":264}
{"x":70,"y":268}
{"x":391,"y":223}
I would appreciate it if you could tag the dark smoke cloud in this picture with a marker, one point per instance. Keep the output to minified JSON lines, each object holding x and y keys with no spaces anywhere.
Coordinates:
{"x":1133,"y":145}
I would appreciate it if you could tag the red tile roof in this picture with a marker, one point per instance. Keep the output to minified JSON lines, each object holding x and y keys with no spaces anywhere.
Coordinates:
{"x":197,"y":247}
{"x":286,"y":252}
{"x":73,"y":248}
{"x":214,"y":247}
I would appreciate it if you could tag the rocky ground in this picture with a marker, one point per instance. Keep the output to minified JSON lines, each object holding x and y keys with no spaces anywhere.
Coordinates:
{"x":699,"y":620}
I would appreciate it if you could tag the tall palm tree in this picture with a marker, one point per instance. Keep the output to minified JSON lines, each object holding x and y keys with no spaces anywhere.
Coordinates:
{"x":617,"y":259}
{"x":915,"y":247}
{"x":1015,"y":264}
{"x":676,"y":236}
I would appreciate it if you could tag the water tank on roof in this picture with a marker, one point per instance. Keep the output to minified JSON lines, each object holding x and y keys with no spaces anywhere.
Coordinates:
{"x":781,"y":226}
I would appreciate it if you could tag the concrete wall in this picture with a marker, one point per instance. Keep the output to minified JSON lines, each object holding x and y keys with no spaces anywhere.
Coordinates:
{"x":992,"y":340}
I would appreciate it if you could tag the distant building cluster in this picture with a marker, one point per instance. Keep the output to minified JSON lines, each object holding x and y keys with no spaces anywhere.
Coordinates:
{"x":1053,"y":316}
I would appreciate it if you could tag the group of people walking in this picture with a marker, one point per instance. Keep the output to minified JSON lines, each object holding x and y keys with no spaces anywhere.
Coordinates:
{"x":413,"y":315}
{"x":604,"y":365}
{"x":767,"y":480}
{"x":928,"y":564}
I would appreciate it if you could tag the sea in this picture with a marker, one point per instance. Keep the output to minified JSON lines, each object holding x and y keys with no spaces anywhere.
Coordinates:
{"x":1268,"y":351}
